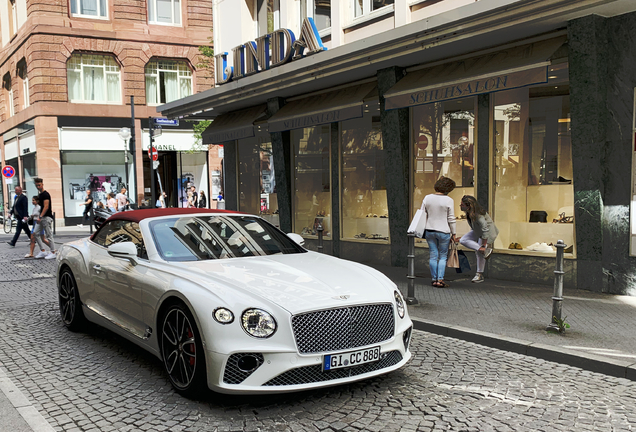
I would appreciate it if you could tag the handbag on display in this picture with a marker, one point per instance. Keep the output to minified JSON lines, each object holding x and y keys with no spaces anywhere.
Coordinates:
{"x":464,"y":265}
{"x":453,"y":258}
{"x":418,"y":224}
{"x":538,"y":216}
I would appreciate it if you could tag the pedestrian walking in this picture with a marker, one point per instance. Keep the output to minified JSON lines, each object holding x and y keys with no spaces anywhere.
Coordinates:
{"x":88,"y":206}
{"x":440,"y":228}
{"x":35,"y":214}
{"x":20,"y":210}
{"x":122,"y":200}
{"x":195,"y":200}
{"x":203,"y":202}
{"x":45,"y":222}
{"x":481,"y":236}
{"x":111,"y":203}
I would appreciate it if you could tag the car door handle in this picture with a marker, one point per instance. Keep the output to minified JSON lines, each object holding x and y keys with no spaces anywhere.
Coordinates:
{"x":97,"y":267}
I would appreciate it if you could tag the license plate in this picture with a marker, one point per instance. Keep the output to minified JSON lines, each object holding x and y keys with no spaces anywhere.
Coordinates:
{"x":351,"y":358}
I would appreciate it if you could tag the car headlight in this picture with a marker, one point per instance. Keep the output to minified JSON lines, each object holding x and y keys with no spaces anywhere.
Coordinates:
{"x":223,"y":316}
{"x":258,"y":323}
{"x":399,"y":303}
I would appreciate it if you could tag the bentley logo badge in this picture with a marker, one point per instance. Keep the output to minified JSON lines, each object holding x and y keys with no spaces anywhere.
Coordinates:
{"x":342,"y":297}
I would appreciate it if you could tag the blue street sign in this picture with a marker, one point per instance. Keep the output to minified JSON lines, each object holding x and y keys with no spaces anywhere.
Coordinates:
{"x":8,"y":171}
{"x":165,"y":122}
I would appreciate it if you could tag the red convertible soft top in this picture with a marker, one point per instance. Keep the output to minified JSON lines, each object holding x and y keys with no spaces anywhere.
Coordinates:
{"x":138,"y":215}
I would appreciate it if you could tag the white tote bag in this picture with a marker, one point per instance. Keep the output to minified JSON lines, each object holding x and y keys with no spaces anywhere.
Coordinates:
{"x":418,"y":224}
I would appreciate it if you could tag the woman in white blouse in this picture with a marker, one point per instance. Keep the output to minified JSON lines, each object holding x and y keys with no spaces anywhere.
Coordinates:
{"x":440,"y":227}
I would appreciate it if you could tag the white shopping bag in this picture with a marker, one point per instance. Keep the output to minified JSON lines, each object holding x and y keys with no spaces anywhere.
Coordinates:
{"x":418,"y":225}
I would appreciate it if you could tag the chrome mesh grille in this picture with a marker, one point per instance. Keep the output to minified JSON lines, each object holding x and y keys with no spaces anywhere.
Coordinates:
{"x":344,"y":328}
{"x":234,"y":375}
{"x":312,"y":374}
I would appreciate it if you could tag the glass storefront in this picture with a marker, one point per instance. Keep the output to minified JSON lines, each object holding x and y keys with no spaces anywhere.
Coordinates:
{"x":443,"y":136}
{"x":257,"y":181}
{"x":312,"y":179}
{"x":533,"y":192}
{"x":100,"y":172}
{"x":29,"y":173}
{"x":363,"y":196}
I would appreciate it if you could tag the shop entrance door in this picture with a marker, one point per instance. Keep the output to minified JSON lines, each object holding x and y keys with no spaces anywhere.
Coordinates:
{"x":166,"y":179}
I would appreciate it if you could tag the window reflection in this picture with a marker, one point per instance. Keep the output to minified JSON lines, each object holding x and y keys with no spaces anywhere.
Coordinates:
{"x":364,"y":202}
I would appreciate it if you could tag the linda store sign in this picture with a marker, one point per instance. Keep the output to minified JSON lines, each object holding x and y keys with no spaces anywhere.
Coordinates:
{"x":268,"y":51}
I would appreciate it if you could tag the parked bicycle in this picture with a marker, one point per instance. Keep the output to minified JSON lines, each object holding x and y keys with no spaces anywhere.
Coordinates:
{"x":9,"y":223}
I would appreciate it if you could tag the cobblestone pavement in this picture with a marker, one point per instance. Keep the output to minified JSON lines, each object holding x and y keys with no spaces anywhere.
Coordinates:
{"x":97,"y":381}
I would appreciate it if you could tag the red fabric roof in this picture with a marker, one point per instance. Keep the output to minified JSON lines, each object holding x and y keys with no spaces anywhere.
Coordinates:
{"x":138,"y":215}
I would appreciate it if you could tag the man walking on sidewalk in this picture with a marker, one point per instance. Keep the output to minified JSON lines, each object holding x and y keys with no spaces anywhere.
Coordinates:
{"x":20,"y":210}
{"x":45,"y":222}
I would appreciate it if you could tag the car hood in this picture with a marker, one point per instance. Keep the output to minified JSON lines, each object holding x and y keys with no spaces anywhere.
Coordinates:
{"x":298,"y":282}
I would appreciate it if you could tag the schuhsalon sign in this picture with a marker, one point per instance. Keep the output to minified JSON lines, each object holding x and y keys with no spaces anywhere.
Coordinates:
{"x":268,"y":51}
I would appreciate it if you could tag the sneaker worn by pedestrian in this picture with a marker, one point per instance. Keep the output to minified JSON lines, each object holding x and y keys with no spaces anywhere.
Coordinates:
{"x":478,"y":278}
{"x":487,"y":251}
{"x":51,"y":255}
{"x":10,"y":244}
{"x":80,"y":225}
{"x":41,"y":255}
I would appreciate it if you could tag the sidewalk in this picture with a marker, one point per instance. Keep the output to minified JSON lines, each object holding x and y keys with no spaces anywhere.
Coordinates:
{"x":513,"y":316}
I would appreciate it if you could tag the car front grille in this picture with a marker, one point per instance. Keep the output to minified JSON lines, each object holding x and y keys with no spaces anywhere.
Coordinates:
{"x":344,"y":328}
{"x":313,"y":374}
{"x":233,"y":373}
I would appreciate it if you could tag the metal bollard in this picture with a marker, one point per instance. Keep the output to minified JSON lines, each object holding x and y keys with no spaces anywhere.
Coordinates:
{"x":557,"y":297}
{"x":92,"y":220}
{"x":319,"y":229}
{"x":410,"y":296}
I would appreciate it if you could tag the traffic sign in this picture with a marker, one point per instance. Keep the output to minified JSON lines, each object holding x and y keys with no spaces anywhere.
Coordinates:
{"x":8,"y":171}
{"x":165,"y":122}
{"x":153,"y":153}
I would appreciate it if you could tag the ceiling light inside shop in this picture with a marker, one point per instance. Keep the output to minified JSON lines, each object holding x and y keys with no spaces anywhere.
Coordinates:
{"x":552,"y":77}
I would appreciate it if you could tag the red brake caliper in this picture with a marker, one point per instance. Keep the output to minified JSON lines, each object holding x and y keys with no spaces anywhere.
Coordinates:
{"x":192,"y":347}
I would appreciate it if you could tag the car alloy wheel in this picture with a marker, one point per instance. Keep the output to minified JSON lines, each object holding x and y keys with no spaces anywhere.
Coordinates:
{"x":70,"y":306}
{"x":182,"y":351}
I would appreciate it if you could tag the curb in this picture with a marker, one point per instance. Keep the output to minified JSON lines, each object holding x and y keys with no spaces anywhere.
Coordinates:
{"x":590,"y":362}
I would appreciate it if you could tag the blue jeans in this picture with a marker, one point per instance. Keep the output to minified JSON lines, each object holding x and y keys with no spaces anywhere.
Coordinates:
{"x":438,"y":249}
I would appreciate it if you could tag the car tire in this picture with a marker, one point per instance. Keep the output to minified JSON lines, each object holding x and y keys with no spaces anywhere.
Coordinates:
{"x":182,"y":351}
{"x":69,"y":300}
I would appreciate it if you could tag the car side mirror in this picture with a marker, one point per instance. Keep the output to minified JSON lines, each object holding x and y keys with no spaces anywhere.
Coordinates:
{"x":126,"y":250}
{"x":297,"y":238}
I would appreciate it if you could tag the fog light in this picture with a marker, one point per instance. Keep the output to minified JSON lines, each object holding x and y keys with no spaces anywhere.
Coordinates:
{"x":248,"y":363}
{"x":406,"y":338}
{"x":223,"y":316}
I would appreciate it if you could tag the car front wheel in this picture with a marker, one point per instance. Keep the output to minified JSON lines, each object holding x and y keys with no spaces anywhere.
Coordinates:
{"x":70,"y":305}
{"x":182,"y":351}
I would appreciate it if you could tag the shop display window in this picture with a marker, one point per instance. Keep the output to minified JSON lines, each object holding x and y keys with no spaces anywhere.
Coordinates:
{"x":312,"y":180}
{"x":443,"y":136}
{"x":533,"y":192}
{"x":364,"y":202}
{"x":257,"y":181}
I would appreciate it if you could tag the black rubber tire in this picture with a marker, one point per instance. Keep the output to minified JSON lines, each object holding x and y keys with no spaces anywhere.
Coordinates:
{"x":69,"y":301}
{"x":182,"y":351}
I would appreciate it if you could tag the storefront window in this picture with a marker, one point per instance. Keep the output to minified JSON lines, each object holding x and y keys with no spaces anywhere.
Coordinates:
{"x":29,"y":173}
{"x":364,"y":204}
{"x":257,"y":182}
{"x":99,"y":172}
{"x":193,"y":172}
{"x":533,"y":192}
{"x":443,"y":145}
{"x":312,"y":179}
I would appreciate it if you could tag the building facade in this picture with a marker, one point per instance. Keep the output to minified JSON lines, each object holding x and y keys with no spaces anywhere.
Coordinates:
{"x":345,"y":113}
{"x":69,"y":72}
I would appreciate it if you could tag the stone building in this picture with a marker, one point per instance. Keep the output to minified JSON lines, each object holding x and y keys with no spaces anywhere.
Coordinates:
{"x":344,"y":113}
{"x":69,"y":70}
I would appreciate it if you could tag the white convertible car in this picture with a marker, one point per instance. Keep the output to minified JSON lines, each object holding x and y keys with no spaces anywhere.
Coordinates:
{"x":229,"y":302}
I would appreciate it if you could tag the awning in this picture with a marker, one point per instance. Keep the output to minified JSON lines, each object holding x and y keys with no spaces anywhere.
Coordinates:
{"x":323,"y":108}
{"x":500,"y":70}
{"x":233,"y":125}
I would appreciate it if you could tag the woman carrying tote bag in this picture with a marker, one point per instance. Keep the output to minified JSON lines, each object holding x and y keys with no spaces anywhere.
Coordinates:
{"x":482,"y":235}
{"x":440,"y":227}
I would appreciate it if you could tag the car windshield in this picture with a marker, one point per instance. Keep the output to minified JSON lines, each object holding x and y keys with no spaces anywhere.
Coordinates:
{"x":205,"y":237}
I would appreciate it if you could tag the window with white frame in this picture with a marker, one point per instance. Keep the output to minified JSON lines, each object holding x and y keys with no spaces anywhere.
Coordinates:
{"x":166,"y":12}
{"x":319,"y":10}
{"x":267,"y":16}
{"x":365,"y":7}
{"x":22,"y":74}
{"x":93,"y":78}
{"x":8,"y":94}
{"x":89,"y":8}
{"x":167,"y":80}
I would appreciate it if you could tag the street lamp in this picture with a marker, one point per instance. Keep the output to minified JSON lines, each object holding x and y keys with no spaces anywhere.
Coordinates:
{"x":124,"y":134}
